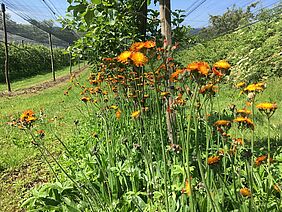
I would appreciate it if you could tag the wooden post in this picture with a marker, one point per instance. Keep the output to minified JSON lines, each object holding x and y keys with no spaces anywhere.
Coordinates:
{"x":78,"y":63}
{"x":52,"y":57}
{"x":165,"y":16}
{"x":6,"y":48}
{"x":70,"y":63}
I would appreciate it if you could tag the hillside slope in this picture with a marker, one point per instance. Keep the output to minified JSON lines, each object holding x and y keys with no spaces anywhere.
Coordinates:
{"x":255,"y":51}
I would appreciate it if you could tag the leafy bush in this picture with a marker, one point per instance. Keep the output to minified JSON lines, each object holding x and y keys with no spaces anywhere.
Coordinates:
{"x":29,"y":60}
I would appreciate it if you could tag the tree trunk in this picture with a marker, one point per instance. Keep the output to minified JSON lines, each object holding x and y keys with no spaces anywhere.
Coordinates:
{"x":142,"y":19}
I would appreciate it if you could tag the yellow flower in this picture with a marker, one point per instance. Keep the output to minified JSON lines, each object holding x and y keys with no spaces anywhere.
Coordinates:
{"x":245,"y":192}
{"x":139,"y":59}
{"x":187,"y":188}
{"x":85,"y":99}
{"x":165,"y":93}
{"x":222,"y":64}
{"x":213,"y":160}
{"x":244,"y":122}
{"x":240,"y":84}
{"x":267,"y":106}
{"x":114,"y":107}
{"x":256,"y":87}
{"x":136,"y":114}
{"x":123,"y":57}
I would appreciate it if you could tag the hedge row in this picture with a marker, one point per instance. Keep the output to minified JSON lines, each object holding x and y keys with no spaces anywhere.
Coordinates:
{"x":29,"y":60}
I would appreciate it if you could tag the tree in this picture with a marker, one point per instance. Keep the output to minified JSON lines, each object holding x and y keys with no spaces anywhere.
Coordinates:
{"x":230,"y":20}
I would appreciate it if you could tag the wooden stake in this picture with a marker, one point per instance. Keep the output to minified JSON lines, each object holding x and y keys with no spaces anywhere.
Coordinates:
{"x":6,"y":48}
{"x":52,"y":57}
{"x":70,"y":63}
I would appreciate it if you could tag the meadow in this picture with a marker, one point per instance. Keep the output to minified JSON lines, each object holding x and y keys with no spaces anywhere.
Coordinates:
{"x":132,"y":137}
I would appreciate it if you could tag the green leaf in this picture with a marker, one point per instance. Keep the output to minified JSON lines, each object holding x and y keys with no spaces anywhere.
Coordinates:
{"x":96,"y":1}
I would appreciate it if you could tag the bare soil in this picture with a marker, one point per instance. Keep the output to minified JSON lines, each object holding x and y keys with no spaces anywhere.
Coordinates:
{"x":42,"y":86}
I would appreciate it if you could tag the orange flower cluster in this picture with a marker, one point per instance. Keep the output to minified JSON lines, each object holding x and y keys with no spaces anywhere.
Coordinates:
{"x":135,"y":55}
{"x":27,"y":117}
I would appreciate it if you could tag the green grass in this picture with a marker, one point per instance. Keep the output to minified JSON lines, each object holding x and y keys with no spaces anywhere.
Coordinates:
{"x":61,"y":112}
{"x":17,"y":152}
{"x":32,"y":81}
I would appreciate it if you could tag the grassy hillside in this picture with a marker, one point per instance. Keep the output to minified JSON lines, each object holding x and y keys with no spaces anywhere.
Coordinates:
{"x":255,"y":51}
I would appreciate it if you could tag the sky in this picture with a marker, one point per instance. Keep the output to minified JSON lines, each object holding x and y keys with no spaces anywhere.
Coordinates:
{"x":197,"y":11}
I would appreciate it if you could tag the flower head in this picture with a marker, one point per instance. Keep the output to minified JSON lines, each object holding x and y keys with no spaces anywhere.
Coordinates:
{"x":243,"y":112}
{"x":139,"y":59}
{"x":201,"y":68}
{"x":245,"y":192}
{"x":136,"y":114}
{"x":137,"y":46}
{"x":222,"y":64}
{"x":149,"y":44}
{"x":244,"y":122}
{"x":27,"y":117}
{"x":123,"y":57}
{"x":213,"y":160}
{"x":118,"y":114}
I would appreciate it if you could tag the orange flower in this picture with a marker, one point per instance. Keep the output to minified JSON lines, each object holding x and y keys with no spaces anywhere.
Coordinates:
{"x":260,"y":159}
{"x":174,"y":76}
{"x":137,"y":46}
{"x":209,"y":88}
{"x":222,"y":64}
{"x":245,"y":192}
{"x":213,"y":160}
{"x":220,"y":123}
{"x":136,"y":114}
{"x":187,"y":189}
{"x":243,"y":112}
{"x":244,"y":122}
{"x":203,"y":68}
{"x":200,"y":67}
{"x":118,"y":114}
{"x":238,"y":141}
{"x":27,"y":117}
{"x":123,"y":57}
{"x":139,"y":59}
{"x":149,"y":44}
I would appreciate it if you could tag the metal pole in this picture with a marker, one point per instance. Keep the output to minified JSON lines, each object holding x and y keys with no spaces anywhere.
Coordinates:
{"x":52,"y":57}
{"x":6,"y":48}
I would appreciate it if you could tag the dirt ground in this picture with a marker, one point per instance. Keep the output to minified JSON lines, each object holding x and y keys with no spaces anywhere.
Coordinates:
{"x":42,"y":86}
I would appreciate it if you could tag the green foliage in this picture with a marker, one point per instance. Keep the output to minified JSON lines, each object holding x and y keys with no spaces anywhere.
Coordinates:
{"x":29,"y":60}
{"x":230,"y":20}
{"x":107,"y":26}
{"x":254,"y":51}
